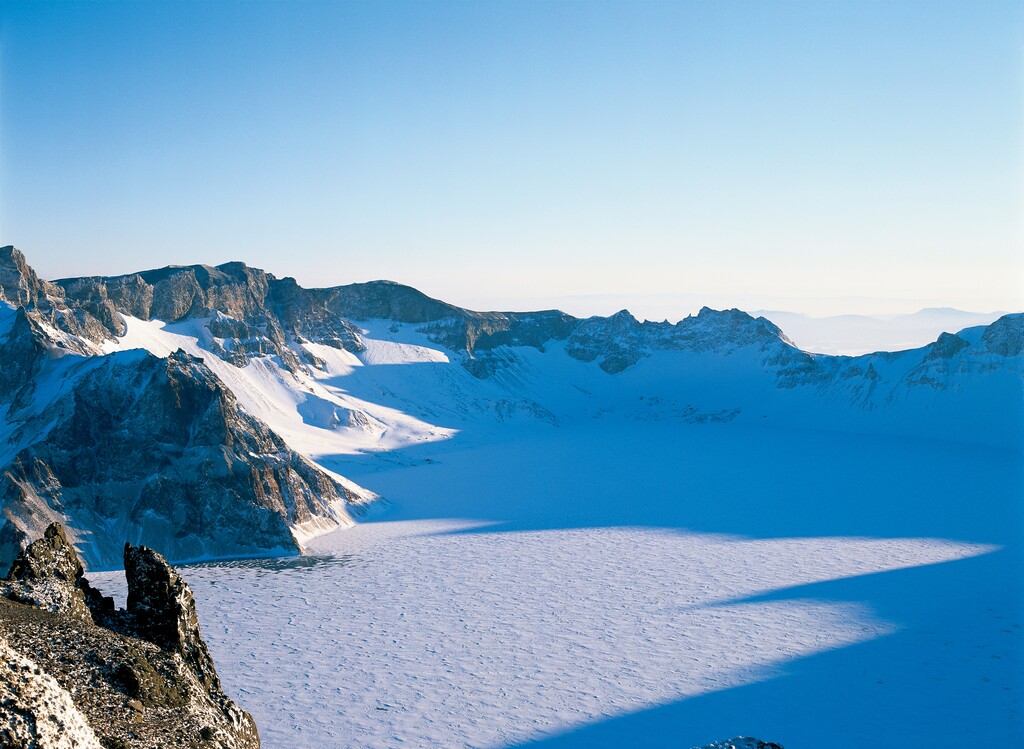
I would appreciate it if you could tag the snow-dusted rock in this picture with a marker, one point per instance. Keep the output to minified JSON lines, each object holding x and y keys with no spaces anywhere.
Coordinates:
{"x":35,"y":711}
{"x":741,"y":742}
{"x":48,"y":575}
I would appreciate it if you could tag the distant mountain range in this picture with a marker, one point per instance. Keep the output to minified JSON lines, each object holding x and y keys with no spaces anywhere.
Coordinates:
{"x":202,"y":410}
{"x":863,"y":334}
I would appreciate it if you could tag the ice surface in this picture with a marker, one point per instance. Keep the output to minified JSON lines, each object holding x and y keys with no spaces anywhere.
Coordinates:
{"x":643,"y":584}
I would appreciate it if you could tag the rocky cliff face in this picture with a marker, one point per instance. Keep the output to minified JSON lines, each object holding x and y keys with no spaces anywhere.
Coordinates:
{"x":81,"y":673}
{"x":70,"y":325}
{"x":137,"y":447}
{"x":250,"y":312}
{"x":158,"y":450}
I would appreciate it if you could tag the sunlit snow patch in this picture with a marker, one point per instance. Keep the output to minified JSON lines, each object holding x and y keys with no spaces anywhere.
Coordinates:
{"x":432,"y":638}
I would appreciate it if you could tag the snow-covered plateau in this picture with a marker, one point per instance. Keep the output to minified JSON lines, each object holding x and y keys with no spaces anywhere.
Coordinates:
{"x":531,"y":529}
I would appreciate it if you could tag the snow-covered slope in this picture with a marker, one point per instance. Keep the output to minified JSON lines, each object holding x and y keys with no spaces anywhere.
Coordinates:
{"x":404,"y":388}
{"x":381,"y":371}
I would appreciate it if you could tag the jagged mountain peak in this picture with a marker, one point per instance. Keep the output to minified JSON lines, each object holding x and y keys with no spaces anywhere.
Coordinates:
{"x":1005,"y":336}
{"x":736,"y":324}
{"x":19,"y":284}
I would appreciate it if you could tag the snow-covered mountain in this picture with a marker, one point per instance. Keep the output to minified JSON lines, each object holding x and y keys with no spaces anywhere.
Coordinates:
{"x":124,"y":445}
{"x":209,"y":411}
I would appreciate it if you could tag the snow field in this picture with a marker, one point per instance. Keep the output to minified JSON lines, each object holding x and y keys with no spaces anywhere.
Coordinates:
{"x":542,"y":588}
{"x":429,"y":637}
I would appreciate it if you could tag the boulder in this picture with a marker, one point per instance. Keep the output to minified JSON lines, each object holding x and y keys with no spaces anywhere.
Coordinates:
{"x":49,"y":576}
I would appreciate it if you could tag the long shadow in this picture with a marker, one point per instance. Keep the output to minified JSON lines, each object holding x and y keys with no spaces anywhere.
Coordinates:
{"x":952,"y":674}
{"x":741,"y":478}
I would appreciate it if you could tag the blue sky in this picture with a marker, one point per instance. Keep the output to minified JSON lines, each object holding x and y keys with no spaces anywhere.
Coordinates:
{"x":814,"y":156}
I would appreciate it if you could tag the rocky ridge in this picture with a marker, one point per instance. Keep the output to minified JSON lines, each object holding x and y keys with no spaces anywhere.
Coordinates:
{"x":252,"y":313}
{"x":150,"y":450}
{"x":249,"y":312}
{"x":85,"y":674}
{"x":160,"y":451}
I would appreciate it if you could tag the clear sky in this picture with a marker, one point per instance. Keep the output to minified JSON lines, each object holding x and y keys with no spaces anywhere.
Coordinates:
{"x":823,"y":157}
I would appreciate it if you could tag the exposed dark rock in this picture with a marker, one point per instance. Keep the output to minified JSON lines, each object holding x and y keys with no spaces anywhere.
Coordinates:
{"x":161,"y":451}
{"x":163,"y":611}
{"x":48,"y":575}
{"x":45,"y":302}
{"x":143,"y":679}
{"x":947,"y":346}
{"x":1005,"y":337}
{"x":742,"y":742}
{"x":49,"y":557}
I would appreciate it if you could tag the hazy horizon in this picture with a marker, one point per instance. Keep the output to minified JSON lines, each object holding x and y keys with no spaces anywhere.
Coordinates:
{"x":654,"y":307}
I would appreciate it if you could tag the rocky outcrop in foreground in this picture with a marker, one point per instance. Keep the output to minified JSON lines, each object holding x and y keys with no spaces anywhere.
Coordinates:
{"x":79,"y":673}
{"x":742,"y":742}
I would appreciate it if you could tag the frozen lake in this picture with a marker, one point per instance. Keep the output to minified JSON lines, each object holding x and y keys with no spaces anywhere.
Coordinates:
{"x":657,"y":585}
